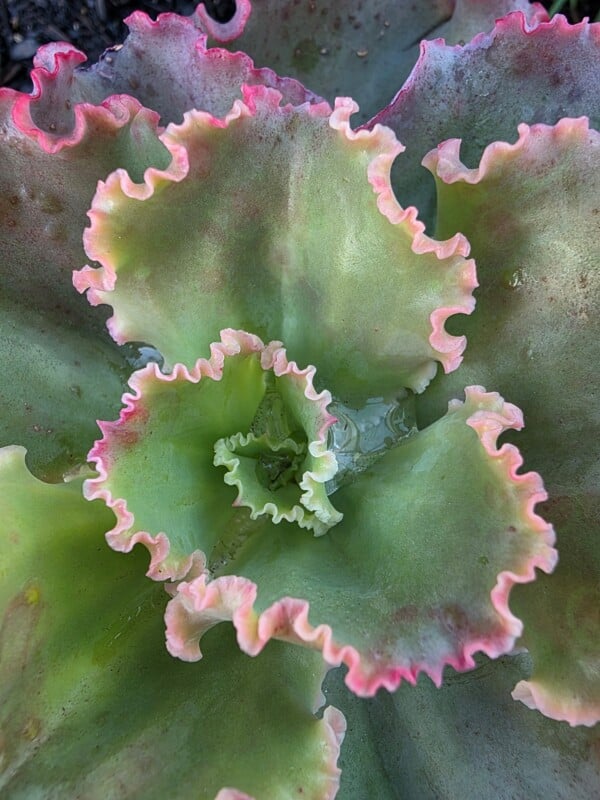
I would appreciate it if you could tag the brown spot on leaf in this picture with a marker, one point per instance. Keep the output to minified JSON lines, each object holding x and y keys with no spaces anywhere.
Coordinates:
{"x":32,"y":729}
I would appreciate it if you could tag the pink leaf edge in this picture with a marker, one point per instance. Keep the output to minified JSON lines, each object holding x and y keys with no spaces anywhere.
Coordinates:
{"x":233,"y":342}
{"x":53,"y":64}
{"x":449,"y":348}
{"x":186,"y":29}
{"x":444,"y":160}
{"x":224,"y":31}
{"x":564,"y":709}
{"x":489,"y":426}
{"x":200,"y":603}
{"x":515,"y":23}
{"x":97,"y":282}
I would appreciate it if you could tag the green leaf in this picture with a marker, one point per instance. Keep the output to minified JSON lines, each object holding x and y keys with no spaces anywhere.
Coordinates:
{"x":467,"y":739}
{"x":160,"y":464}
{"x":280,"y":221}
{"x":531,"y":213}
{"x":62,"y":369}
{"x":562,"y":618}
{"x":92,"y":706}
{"x":416,"y":576}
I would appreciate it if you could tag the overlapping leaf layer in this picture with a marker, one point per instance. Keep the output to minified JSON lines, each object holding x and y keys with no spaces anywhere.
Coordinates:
{"x":245,"y":205}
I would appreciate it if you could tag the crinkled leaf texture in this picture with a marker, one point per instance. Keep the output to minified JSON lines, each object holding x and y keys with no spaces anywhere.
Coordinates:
{"x":377,"y":599}
{"x":531,"y":212}
{"x":350,"y":47}
{"x":309,"y":248}
{"x":80,"y":635}
{"x":416,"y":576}
{"x":247,"y":409}
{"x":165,"y":64}
{"x":91,"y":704}
{"x":482,"y":91}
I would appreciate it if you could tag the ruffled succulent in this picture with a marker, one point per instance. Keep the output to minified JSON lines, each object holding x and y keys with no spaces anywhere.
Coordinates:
{"x":296,"y":449}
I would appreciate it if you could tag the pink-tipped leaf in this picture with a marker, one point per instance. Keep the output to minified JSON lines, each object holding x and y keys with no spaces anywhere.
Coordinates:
{"x":417,"y":575}
{"x":309,"y":247}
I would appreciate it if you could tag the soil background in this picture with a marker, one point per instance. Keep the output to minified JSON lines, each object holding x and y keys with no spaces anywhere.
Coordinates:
{"x":94,"y":25}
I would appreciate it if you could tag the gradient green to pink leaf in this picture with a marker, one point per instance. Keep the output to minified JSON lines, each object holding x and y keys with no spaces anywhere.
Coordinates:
{"x":245,"y":209}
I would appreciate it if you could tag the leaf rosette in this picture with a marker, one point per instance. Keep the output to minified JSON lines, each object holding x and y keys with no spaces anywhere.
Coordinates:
{"x":416,"y":576}
{"x":247,"y":409}
{"x":268,"y":215}
{"x":160,"y":470}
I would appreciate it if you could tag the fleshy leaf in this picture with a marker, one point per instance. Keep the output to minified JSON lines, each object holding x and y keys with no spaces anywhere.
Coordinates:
{"x":482,"y":91}
{"x":166,"y":65}
{"x":248,"y":409}
{"x":269,"y":221}
{"x":57,"y":379}
{"x":415,"y":577}
{"x":562,"y":619}
{"x":472,"y":17}
{"x":64,"y":369}
{"x":531,"y":212}
{"x":93,"y":707}
{"x":365,"y":50}
{"x":467,"y":739}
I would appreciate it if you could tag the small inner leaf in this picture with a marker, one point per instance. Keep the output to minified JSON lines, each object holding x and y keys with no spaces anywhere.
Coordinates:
{"x":275,"y":470}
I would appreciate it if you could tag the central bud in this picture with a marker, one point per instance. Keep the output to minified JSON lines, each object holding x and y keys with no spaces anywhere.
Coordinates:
{"x":274,"y":469}
{"x":281,"y":465}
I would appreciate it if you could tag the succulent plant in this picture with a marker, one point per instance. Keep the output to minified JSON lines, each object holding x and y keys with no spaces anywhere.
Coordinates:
{"x":298,"y":333}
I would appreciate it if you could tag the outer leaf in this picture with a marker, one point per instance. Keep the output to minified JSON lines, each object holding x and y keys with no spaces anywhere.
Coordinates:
{"x":482,"y":91}
{"x":166,"y":65}
{"x":467,"y":740}
{"x":531,"y":211}
{"x":64,"y":371}
{"x":365,"y":50}
{"x":57,"y":380}
{"x":269,"y":222}
{"x":562,"y":619}
{"x":472,"y":17}
{"x":91,"y":704}
{"x":416,"y":576}
{"x":364,"y":775}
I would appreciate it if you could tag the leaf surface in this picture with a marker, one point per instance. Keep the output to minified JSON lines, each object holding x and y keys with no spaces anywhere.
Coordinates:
{"x":531,"y":212}
{"x":93,"y":706}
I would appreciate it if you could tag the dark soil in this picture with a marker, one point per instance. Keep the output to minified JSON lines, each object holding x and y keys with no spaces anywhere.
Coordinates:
{"x":90,"y":25}
{"x":94,"y":25}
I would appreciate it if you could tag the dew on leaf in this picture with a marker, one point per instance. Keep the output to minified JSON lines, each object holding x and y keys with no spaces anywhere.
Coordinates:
{"x":513,"y":279}
{"x":361,"y":436}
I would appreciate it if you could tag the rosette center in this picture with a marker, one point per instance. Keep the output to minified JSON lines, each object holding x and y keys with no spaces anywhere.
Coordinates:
{"x":281,"y":465}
